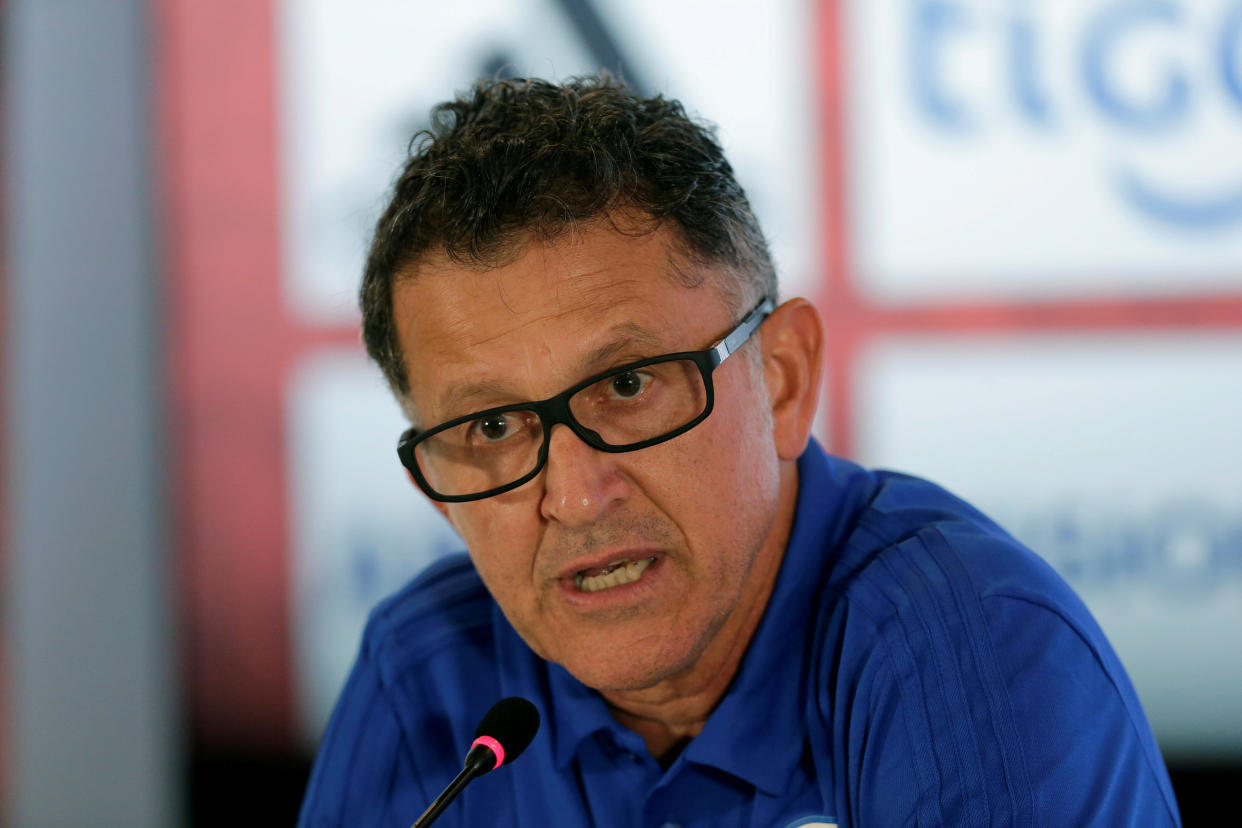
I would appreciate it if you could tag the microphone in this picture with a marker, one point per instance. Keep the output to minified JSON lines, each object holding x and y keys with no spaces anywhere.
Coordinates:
{"x":501,"y":737}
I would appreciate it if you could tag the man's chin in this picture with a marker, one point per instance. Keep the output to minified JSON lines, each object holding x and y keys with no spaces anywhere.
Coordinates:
{"x":626,"y":673}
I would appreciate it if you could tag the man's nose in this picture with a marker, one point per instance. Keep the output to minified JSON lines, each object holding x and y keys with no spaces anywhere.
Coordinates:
{"x":580,"y":483}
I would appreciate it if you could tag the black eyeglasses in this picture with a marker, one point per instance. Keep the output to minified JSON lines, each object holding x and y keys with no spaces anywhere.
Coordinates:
{"x":624,"y":409}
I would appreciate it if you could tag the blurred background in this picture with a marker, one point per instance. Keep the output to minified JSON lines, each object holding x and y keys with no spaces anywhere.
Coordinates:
{"x":1022,"y":220}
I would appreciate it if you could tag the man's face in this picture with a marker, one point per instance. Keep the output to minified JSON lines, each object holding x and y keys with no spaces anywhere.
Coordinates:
{"x":697,"y":509}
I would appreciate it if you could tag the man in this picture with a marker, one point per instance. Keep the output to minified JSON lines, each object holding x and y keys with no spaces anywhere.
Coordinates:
{"x":719,"y":624}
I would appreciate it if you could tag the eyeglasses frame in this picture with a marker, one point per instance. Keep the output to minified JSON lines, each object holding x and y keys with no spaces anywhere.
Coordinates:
{"x":555,"y":410}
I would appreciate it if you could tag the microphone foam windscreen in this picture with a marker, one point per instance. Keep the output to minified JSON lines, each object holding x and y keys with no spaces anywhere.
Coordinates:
{"x":513,"y":722}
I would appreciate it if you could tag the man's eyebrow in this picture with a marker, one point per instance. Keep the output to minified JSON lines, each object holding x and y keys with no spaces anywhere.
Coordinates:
{"x":625,"y":336}
{"x":457,"y":395}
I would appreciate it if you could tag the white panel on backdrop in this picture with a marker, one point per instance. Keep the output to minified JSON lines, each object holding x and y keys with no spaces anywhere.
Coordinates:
{"x":1053,"y":149}
{"x":1116,"y":459}
{"x":358,"y":78}
{"x":359,"y":528}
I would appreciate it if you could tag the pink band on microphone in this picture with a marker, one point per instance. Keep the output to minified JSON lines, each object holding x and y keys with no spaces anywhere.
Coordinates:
{"x":492,"y":745}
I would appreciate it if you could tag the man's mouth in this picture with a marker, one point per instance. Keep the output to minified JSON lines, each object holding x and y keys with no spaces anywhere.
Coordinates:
{"x":617,"y":573}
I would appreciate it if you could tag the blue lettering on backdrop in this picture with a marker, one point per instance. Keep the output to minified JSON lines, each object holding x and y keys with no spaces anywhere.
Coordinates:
{"x":1197,"y":212}
{"x":1188,"y":212}
{"x":1185,"y":547}
{"x":1024,"y":55}
{"x":940,"y":26}
{"x":1103,"y":39}
{"x":936,"y":22}
{"x":1230,"y":54}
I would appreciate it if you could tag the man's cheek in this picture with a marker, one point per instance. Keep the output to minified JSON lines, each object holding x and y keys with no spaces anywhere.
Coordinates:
{"x":478,"y":524}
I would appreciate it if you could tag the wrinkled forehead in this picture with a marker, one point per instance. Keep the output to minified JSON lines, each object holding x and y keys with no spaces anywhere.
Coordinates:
{"x":631,"y":233}
{"x":553,"y":313}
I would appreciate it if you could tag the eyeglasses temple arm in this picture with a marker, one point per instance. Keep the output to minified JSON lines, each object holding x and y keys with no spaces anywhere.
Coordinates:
{"x":742,"y":332}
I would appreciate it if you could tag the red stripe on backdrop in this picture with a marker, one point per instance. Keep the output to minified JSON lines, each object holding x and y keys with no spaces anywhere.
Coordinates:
{"x":231,"y":348}
{"x":228,"y":345}
{"x":843,"y":314}
{"x":1196,"y":313}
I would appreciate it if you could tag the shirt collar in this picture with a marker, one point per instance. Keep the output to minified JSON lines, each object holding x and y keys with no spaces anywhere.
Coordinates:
{"x":757,"y":731}
{"x":580,"y":713}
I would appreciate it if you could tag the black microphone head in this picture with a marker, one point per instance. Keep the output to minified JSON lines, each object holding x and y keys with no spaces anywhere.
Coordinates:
{"x":512,"y":722}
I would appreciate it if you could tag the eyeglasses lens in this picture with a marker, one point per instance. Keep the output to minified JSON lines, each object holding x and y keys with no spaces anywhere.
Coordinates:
{"x":624,"y":409}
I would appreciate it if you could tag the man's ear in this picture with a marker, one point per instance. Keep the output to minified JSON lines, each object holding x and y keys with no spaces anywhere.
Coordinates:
{"x":792,"y":338}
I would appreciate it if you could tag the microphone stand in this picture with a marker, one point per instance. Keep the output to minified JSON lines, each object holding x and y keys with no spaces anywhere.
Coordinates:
{"x":479,"y":760}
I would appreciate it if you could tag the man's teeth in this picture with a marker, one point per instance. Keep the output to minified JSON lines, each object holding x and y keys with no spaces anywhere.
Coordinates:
{"x":622,"y":573}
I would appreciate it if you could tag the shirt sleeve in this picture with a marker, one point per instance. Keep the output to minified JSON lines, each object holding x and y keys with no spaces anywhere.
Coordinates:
{"x":954,"y":709}
{"x":1087,"y":748}
{"x":361,"y":760}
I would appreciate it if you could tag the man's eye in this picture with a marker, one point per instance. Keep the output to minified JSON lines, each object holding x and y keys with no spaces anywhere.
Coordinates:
{"x":494,"y":427}
{"x":628,"y":385}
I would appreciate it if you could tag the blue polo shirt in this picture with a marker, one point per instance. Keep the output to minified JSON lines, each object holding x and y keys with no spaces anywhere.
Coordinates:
{"x":915,"y":666}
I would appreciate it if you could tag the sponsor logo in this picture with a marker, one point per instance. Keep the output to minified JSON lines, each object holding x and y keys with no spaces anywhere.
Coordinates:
{"x":1155,"y":75}
{"x":1190,"y":548}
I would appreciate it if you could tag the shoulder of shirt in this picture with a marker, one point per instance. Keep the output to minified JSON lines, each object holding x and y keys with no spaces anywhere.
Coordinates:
{"x":445,"y":607}
{"x":911,"y":539}
{"x":918,"y":571}
{"x":909,"y":596}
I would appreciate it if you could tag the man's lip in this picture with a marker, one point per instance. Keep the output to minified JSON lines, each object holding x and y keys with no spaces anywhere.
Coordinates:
{"x":606,"y":559}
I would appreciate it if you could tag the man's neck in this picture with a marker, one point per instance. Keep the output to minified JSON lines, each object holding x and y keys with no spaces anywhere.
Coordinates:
{"x":669,"y":714}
